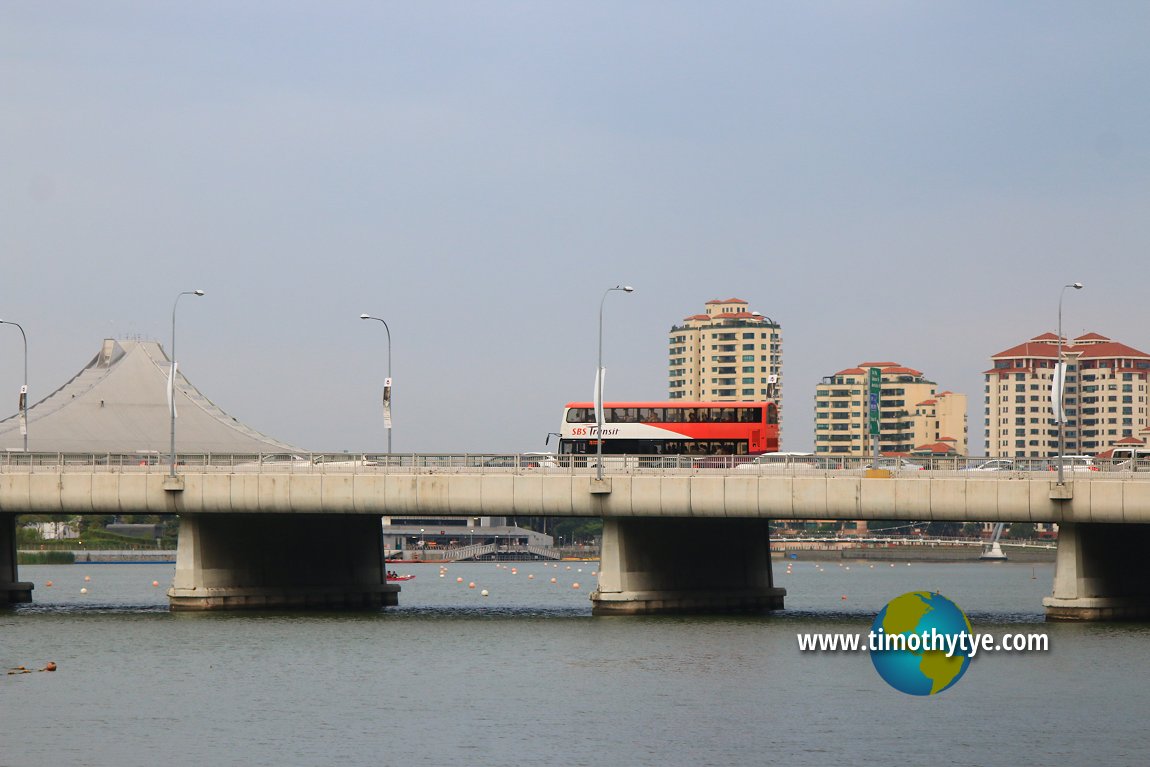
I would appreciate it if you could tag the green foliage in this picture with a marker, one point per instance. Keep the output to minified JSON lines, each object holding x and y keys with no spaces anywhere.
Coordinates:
{"x":45,"y":558}
{"x":1021,"y":530}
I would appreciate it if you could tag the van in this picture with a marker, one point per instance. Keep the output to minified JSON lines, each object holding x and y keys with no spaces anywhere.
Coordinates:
{"x":1127,"y":459}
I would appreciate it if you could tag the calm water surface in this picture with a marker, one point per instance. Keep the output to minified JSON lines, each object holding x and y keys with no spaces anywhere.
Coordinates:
{"x":526,"y":675}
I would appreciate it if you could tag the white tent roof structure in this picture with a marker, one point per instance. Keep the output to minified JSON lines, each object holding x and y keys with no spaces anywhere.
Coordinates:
{"x":119,"y":404}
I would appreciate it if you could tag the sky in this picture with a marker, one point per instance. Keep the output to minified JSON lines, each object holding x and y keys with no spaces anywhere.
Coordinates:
{"x":901,"y":181}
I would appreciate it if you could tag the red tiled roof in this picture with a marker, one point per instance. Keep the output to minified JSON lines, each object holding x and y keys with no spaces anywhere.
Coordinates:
{"x":928,"y":402}
{"x":850,"y":372}
{"x":878,"y":364}
{"x":1038,"y":347}
{"x":1108,"y":349}
{"x":936,"y":447}
{"x":728,"y":301}
{"x":911,"y":371}
{"x":1031,"y":349}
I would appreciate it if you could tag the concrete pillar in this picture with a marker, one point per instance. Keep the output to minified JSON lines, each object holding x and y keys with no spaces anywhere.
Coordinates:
{"x":1101,"y":573}
{"x":656,"y":566}
{"x":291,"y":561}
{"x":12,"y":589}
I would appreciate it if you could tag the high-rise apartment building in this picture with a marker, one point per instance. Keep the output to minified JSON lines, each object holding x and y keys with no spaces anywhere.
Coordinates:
{"x":1105,"y":397}
{"x":913,"y":417}
{"x":728,"y":353}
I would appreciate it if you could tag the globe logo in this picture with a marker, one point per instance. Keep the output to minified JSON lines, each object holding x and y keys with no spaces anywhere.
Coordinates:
{"x":910,"y":641}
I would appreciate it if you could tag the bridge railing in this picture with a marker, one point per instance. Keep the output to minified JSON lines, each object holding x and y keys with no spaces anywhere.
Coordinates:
{"x":970,"y":468}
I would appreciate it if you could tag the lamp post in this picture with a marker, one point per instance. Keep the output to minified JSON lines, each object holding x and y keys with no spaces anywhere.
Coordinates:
{"x":172,"y":379}
{"x":1062,"y":380}
{"x":24,"y":388}
{"x":599,"y":385}
{"x":387,"y":383}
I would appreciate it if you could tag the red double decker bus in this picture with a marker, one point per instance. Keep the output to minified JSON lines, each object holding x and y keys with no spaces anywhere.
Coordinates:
{"x":672,"y":428}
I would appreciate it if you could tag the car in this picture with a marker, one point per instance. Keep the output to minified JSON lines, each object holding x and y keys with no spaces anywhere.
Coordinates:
{"x":895,"y":464}
{"x":277,"y":462}
{"x":781,"y":463}
{"x":523,"y":461}
{"x":997,"y":464}
{"x":1073,"y":463}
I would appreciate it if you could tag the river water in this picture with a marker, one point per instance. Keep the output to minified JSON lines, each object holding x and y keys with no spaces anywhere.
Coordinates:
{"x":525,"y":675}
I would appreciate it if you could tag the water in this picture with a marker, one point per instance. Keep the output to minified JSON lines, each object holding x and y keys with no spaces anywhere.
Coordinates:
{"x":527,"y":675}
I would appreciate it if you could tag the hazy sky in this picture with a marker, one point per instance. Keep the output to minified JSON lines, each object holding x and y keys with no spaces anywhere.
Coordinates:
{"x":905,"y":181}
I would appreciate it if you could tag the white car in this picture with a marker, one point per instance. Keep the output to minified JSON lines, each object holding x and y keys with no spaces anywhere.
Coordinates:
{"x":998,"y":464}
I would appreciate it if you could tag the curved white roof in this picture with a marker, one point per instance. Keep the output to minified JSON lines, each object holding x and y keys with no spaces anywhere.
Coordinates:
{"x":119,"y":404}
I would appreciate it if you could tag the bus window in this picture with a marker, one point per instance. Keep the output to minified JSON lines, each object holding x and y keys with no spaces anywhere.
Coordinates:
{"x":673,"y":415}
{"x":772,"y":414}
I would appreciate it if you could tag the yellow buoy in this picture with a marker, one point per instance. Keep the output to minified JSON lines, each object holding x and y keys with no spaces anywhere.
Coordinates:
{"x":531,"y":577}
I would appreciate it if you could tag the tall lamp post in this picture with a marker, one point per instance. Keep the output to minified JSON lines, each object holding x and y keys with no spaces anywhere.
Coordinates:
{"x":172,"y":381}
{"x":1062,"y":381}
{"x":599,"y":385}
{"x":387,"y":383}
{"x":24,"y":388}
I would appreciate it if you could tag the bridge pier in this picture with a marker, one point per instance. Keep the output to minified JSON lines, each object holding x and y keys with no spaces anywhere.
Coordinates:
{"x":281,"y":561}
{"x":1101,"y":573}
{"x":654,"y":565}
{"x":12,"y":589}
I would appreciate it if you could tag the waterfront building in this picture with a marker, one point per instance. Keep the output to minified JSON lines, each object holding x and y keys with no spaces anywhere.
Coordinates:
{"x":913,"y":417}
{"x":727,"y":353}
{"x":1105,"y":397}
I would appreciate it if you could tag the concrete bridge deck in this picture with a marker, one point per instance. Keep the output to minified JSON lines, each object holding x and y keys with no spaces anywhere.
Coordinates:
{"x":652,"y":512}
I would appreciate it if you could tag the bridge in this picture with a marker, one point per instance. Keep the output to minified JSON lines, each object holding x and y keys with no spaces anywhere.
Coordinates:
{"x":304,"y":532}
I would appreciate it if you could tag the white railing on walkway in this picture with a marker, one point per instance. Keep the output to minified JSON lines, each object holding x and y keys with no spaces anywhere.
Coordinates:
{"x":970,"y":468}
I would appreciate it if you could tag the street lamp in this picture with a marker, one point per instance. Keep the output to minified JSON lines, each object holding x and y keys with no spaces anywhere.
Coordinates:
{"x":387,"y":383}
{"x":172,"y":379}
{"x":599,"y":385}
{"x":1061,"y":376}
{"x":24,"y":388}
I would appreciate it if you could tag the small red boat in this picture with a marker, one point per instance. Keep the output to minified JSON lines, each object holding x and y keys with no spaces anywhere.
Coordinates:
{"x":398,"y":577}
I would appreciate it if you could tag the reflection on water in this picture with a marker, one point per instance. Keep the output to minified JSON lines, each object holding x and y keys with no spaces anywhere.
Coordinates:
{"x":526,"y":674}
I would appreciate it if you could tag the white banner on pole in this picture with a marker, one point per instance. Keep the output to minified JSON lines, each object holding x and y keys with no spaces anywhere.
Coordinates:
{"x":387,"y":403}
{"x":23,"y":410}
{"x":1057,"y":386}
{"x":172,"y":391}
{"x":600,"y":375}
